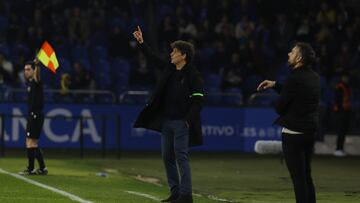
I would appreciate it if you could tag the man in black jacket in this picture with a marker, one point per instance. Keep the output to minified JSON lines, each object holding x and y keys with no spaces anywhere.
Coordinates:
{"x":174,"y":110}
{"x":298,"y":109}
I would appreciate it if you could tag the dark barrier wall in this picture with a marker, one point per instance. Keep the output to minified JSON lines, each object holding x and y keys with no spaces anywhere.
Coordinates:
{"x":224,"y":129}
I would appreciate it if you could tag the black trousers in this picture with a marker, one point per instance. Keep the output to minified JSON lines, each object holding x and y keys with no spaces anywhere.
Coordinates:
{"x":298,"y":150}
{"x":343,"y":122}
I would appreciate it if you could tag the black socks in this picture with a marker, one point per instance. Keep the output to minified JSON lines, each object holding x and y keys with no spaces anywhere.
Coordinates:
{"x":33,"y":153}
{"x":31,"y":158}
{"x":40,"y":158}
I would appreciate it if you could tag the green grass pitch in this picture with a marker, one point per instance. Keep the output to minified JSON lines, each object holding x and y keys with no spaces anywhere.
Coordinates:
{"x":231,"y":177}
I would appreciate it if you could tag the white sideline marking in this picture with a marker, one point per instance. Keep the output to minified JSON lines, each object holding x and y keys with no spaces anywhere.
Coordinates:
{"x":61,"y":192}
{"x":143,"y":195}
{"x":213,"y":197}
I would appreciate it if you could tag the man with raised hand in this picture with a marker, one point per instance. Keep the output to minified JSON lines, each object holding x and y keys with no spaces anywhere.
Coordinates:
{"x":174,"y":110}
{"x":35,"y":120}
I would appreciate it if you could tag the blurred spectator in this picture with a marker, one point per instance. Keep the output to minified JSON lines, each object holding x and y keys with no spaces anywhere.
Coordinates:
{"x":65,"y":84}
{"x":326,"y":15}
{"x":119,"y":43}
{"x":343,"y":59}
{"x":81,"y":78}
{"x":257,"y":61}
{"x":187,"y":29}
{"x":141,"y":75}
{"x":224,"y":25}
{"x":78,"y":26}
{"x":282,"y":34}
{"x":304,"y":31}
{"x":35,"y":37}
{"x":19,"y":77}
{"x":205,"y":33}
{"x":168,"y":32}
{"x":220,"y":57}
{"x":232,"y":75}
{"x":6,"y":70}
{"x":342,"y":109}
{"x":259,"y":33}
{"x":244,"y":29}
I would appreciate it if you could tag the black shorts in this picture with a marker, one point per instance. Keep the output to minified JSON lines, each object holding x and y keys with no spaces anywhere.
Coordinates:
{"x":34,"y":125}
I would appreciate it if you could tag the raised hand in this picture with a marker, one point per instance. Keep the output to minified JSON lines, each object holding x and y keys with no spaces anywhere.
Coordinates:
{"x":138,"y":35}
{"x":266,"y":84}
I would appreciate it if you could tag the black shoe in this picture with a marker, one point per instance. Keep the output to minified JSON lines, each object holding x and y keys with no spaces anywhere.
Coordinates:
{"x":28,"y":172}
{"x":43,"y":171}
{"x":172,"y":197}
{"x":183,"y":199}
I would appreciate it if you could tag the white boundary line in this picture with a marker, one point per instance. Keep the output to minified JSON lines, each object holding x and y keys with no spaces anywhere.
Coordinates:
{"x":143,"y":195}
{"x":61,"y":192}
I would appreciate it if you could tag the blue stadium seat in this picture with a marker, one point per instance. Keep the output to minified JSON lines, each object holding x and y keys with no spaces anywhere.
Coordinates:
{"x":85,"y":63}
{"x":233,"y":96}
{"x":50,"y":79}
{"x":104,"y":99}
{"x":213,"y":81}
{"x":120,"y":22}
{"x":165,"y":10}
{"x":64,"y":65}
{"x":101,"y":65}
{"x":4,"y":49}
{"x":213,"y":96}
{"x":103,"y":80}
{"x":20,"y":96}
{"x":328,"y":95}
{"x":120,"y":66}
{"x":98,"y":52}
{"x":19,"y":49}
{"x":120,"y":83}
{"x":79,"y":52}
{"x":98,"y":39}
{"x":48,"y":96}
{"x":122,"y":80}
{"x":250,"y":84}
{"x":206,"y":54}
{"x":62,"y":51}
{"x":4,"y":23}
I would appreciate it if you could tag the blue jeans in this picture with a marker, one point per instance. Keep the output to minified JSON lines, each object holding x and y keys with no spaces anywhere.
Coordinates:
{"x":175,"y":147}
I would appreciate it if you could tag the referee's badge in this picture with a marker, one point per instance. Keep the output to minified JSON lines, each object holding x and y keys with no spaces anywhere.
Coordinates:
{"x":29,"y":89}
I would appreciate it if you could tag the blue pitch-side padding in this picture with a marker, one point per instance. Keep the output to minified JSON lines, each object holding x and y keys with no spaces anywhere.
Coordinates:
{"x":224,"y":129}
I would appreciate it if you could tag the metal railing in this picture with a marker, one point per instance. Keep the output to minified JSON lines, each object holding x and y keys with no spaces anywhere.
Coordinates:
{"x":211,"y":98}
{"x":81,"y":119}
{"x":79,"y":94}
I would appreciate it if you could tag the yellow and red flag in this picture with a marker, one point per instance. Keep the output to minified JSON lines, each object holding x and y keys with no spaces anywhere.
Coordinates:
{"x":47,"y":57}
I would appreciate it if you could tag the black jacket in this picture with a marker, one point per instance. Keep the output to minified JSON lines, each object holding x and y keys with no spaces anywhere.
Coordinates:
{"x":298,"y":104}
{"x":190,"y":98}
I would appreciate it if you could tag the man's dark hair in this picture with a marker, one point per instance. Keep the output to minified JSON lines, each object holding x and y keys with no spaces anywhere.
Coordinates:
{"x":31,"y":63}
{"x":185,"y":48}
{"x":307,"y":53}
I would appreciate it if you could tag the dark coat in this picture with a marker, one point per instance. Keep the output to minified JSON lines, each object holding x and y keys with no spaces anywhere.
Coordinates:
{"x":298,"y":104}
{"x":192,"y":82}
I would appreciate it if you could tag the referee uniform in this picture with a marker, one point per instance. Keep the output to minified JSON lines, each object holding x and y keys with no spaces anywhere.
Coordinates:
{"x":35,"y":106}
{"x":35,"y":121}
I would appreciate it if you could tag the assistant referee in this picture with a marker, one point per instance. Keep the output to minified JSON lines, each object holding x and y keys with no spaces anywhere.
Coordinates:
{"x":35,"y":119}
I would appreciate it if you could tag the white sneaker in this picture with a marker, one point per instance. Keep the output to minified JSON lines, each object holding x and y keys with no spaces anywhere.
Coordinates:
{"x":339,"y":153}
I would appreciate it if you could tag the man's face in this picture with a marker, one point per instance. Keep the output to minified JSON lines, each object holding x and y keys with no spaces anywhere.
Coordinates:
{"x":176,"y":56}
{"x":294,"y":56}
{"x":28,"y":72}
